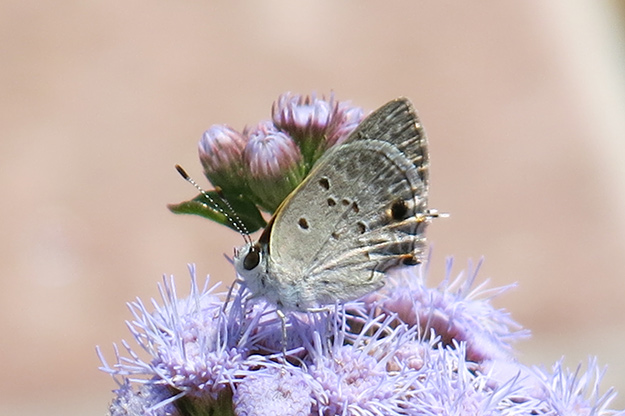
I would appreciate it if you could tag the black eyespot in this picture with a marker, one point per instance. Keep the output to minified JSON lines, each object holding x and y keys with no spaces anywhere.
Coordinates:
{"x":252,"y":258}
{"x":345,"y":202}
{"x":355,"y":207}
{"x":410,"y":260}
{"x":303,"y":223}
{"x":324,"y":183}
{"x":331,"y":202}
{"x":399,"y":209}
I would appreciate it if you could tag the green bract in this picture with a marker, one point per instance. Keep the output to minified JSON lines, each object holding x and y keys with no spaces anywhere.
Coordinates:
{"x":247,"y":214}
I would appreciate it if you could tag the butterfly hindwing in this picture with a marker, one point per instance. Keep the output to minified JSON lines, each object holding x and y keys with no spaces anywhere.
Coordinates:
{"x":360,"y":211}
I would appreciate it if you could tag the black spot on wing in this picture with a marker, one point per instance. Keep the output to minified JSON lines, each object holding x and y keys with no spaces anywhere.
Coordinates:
{"x":324,"y":183}
{"x":361,"y":227}
{"x":303,"y":223}
{"x":399,"y":210}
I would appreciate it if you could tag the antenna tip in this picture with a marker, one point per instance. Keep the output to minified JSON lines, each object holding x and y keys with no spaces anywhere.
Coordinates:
{"x":182,"y":172}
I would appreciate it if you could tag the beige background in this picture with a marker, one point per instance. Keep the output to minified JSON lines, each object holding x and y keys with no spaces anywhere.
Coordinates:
{"x":523,"y":102}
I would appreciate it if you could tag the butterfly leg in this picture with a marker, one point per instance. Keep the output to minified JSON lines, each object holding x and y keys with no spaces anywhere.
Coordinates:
{"x":282,"y":317}
{"x":229,"y":295}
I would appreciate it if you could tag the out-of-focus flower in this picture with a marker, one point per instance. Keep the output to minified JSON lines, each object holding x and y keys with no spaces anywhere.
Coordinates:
{"x":567,"y":392}
{"x":383,"y":355}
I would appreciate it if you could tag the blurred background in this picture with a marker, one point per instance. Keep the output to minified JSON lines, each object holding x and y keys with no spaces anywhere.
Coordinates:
{"x":523,"y":102}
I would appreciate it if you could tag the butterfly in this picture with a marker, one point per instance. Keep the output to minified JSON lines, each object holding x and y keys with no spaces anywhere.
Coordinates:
{"x":361,"y":210}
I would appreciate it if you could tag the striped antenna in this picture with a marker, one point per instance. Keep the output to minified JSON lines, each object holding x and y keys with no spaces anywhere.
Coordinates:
{"x":233,"y":219}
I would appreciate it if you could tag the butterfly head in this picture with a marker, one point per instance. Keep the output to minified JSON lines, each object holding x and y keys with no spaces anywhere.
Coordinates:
{"x":250,"y":262}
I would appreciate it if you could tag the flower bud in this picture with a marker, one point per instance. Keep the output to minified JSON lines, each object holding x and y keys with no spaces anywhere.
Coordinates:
{"x":301,"y":114}
{"x":315,"y":124}
{"x":220,"y":150}
{"x":346,"y":119}
{"x":272,"y":161}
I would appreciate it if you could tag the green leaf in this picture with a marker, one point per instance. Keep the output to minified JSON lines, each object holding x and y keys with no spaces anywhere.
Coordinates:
{"x":245,"y":211}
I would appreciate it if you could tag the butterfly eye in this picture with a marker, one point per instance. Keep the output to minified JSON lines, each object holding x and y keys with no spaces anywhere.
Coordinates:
{"x":252,"y":258}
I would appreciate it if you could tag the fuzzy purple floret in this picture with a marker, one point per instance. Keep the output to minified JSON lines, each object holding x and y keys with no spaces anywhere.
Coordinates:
{"x":406,"y":350}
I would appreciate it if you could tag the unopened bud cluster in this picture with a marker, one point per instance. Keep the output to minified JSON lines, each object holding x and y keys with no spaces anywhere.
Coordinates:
{"x":266,"y":162}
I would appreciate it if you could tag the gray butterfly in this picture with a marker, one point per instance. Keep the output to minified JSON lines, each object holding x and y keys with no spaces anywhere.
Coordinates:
{"x":360,"y":211}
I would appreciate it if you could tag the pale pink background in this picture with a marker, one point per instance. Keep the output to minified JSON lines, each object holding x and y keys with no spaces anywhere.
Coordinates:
{"x":523,"y":102}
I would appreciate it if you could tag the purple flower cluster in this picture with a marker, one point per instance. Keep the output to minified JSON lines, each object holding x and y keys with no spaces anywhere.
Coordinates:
{"x":266,"y":162}
{"x":405,"y":350}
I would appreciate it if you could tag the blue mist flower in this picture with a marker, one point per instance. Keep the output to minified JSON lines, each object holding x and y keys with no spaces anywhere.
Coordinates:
{"x":351,"y":370}
{"x":195,"y":346}
{"x":452,"y":385}
{"x":417,"y":351}
{"x":454,"y":311}
{"x":566,"y":392}
{"x":146,"y":400}
{"x":277,"y":390}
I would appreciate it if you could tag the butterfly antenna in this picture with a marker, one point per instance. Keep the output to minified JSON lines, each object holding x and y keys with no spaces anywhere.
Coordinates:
{"x":241,"y":228}
{"x":434,"y":213}
{"x":233,"y":219}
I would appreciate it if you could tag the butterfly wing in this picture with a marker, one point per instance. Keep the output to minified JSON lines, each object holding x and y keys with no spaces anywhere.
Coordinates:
{"x":361,"y":210}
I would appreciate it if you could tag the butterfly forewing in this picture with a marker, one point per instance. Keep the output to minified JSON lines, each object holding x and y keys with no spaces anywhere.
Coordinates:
{"x":397,"y":123}
{"x":360,"y":211}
